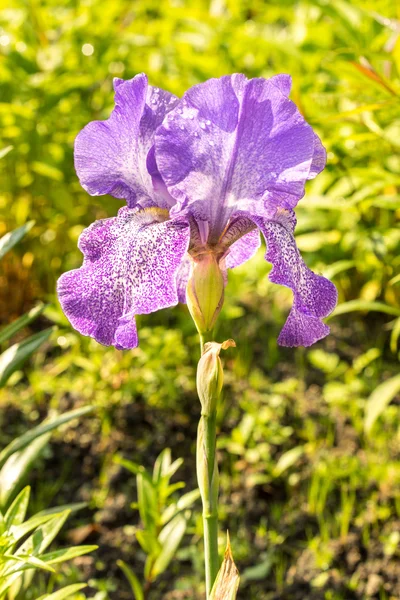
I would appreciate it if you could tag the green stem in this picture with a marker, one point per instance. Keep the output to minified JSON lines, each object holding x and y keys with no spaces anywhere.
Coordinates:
{"x":204,"y":338}
{"x":207,"y":474}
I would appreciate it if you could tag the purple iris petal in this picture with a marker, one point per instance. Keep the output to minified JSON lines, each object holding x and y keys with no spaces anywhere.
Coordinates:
{"x":314,"y":296}
{"x":130,"y":267}
{"x":234,"y":144}
{"x":110,"y":156}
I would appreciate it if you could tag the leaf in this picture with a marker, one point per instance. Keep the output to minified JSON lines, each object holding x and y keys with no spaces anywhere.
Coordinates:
{"x":379,"y":400}
{"x":73,"y":507}
{"x":394,"y":338}
{"x":17,"y":354}
{"x":148,"y":542}
{"x":147,"y":502}
{"x":183,"y":503}
{"x":287,"y":460}
{"x":16,"y":467}
{"x":32,"y":561}
{"x":20,"y":531}
{"x":11,"y":238}
{"x":4,"y":151}
{"x":364,"y":305}
{"x":64,"y":593}
{"x":53,"y":558}
{"x":134,"y":582}
{"x":10,"y":330}
{"x":15,"y":515}
{"x":227,"y":583}
{"x":42,"y":537}
{"x":25,"y":439}
{"x":170,"y":538}
{"x":161,"y":465}
{"x":338,"y":267}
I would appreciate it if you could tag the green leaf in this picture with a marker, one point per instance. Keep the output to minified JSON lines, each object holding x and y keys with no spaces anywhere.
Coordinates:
{"x":11,"y":238}
{"x":170,"y":538}
{"x":147,"y":502}
{"x":338,"y":267}
{"x":184,"y":502}
{"x":44,"y":535}
{"x":148,"y":542}
{"x":16,"y":467}
{"x":287,"y":460}
{"x":364,"y":305}
{"x":73,"y":507}
{"x":64,"y":593}
{"x":58,"y":556}
{"x":15,"y":515}
{"x":10,"y":330}
{"x":25,"y":439}
{"x":161,"y":465}
{"x":379,"y":400}
{"x":4,"y":151}
{"x":134,"y":582}
{"x":20,"y":531}
{"x":227,"y":583}
{"x":26,"y":559}
{"x":17,"y":354}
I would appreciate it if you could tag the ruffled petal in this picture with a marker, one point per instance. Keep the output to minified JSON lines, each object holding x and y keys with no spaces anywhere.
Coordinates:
{"x":110,"y":156}
{"x":232,"y":145}
{"x":314,"y":296}
{"x":130,"y":267}
{"x":244,"y":249}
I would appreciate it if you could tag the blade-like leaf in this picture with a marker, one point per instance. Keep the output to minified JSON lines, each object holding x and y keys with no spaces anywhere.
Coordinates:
{"x":64,"y":593}
{"x":26,"y":559}
{"x":58,"y":556}
{"x":74,"y":507}
{"x":147,"y":502}
{"x":42,"y":537}
{"x":20,"y":531}
{"x":11,"y":238}
{"x":170,"y":538}
{"x":134,"y":582}
{"x":227,"y":583}
{"x":379,"y":399}
{"x":15,"y":515}
{"x":16,"y":467}
{"x":183,"y":503}
{"x":17,"y":354}
{"x":7,"y":332}
{"x":4,"y":151}
{"x":364,"y":305}
{"x":26,"y":438}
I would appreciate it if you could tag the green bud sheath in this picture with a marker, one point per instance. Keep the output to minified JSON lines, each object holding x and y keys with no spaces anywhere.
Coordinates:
{"x":205,"y":291}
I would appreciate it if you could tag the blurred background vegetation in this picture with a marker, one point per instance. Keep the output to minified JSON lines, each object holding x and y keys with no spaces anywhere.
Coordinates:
{"x":309,"y":442}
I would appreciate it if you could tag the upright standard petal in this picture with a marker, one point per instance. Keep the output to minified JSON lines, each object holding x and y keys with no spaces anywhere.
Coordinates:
{"x":110,"y":156}
{"x":233,"y":145}
{"x":314,"y":297}
{"x":130,"y":267}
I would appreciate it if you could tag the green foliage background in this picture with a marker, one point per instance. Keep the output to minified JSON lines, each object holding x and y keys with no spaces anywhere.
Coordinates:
{"x":310,"y":489}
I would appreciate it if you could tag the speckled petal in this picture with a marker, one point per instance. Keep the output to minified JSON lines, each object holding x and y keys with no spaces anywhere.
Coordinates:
{"x":130,"y":267}
{"x":244,"y":249}
{"x":314,"y":296}
{"x":110,"y":156}
{"x":232,"y":145}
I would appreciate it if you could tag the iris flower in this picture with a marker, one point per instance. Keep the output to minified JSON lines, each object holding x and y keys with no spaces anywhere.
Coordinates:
{"x":202,"y":176}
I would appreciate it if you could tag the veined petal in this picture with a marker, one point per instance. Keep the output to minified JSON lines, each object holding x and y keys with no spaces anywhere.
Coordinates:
{"x":130,"y":267}
{"x":234,"y":145}
{"x":314,"y":296}
{"x":110,"y":156}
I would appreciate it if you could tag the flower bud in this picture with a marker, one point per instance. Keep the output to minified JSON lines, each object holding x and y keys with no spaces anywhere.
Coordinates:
{"x":205,"y":291}
{"x":210,"y":376}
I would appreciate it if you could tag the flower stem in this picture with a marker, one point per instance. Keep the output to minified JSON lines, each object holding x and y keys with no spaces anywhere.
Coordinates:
{"x":207,"y":475}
